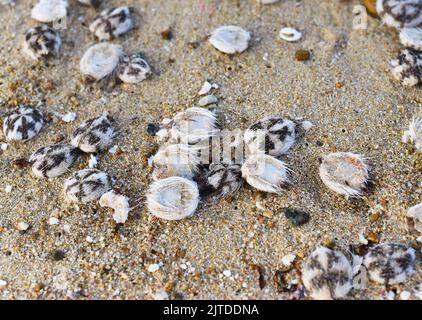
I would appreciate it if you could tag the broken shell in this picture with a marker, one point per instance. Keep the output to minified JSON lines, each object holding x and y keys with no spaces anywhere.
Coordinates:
{"x":206,"y":87}
{"x":94,"y":135}
{"x":390,"y":263}
{"x":230,"y":39}
{"x":345,"y":173}
{"x":101,"y":60}
{"x":327,"y":274}
{"x":400,"y":13}
{"x":133,"y":69}
{"x":223,"y":178}
{"x":23,"y":124}
{"x":119,"y":203}
{"x":411,"y":37}
{"x":112,"y":22}
{"x":193,"y":126}
{"x":86,"y":185}
{"x":50,"y":10}
{"x":267,"y":1}
{"x":173,"y":198}
{"x":290,"y":34}
{"x":41,"y":41}
{"x":53,"y":160}
{"x":176,"y":160}
{"x":407,"y":67}
{"x":414,"y":134}
{"x":415,"y":212}
{"x":265,"y":173}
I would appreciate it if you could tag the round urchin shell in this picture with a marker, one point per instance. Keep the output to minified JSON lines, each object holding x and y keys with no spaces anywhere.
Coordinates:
{"x":407,"y":68}
{"x":53,"y":160}
{"x":327,"y":274}
{"x":411,"y":38}
{"x":41,"y":41}
{"x":390,"y":263}
{"x":50,"y":10}
{"x":400,"y":13}
{"x":23,"y":124}
{"x":223,"y":178}
{"x":270,"y":135}
{"x":86,"y":185}
{"x":94,"y":135}
{"x":173,"y":198}
{"x":265,"y":173}
{"x":101,"y":60}
{"x":193,"y":126}
{"x":176,"y":160}
{"x":345,"y":173}
{"x":133,"y":69}
{"x":112,"y":22}
{"x":230,"y":39}
{"x":414,"y":134}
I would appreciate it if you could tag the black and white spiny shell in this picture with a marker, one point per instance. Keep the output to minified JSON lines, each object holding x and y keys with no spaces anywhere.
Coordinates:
{"x":50,"y":10}
{"x":53,"y":160}
{"x":390,"y":263}
{"x":86,"y":185}
{"x":400,"y":13}
{"x":407,"y":68}
{"x":94,"y":135}
{"x":112,"y":22}
{"x":414,"y":133}
{"x":272,"y":135}
{"x":222,"y":178}
{"x":23,"y":124}
{"x":41,"y":41}
{"x":327,"y":274}
{"x":133,"y":69}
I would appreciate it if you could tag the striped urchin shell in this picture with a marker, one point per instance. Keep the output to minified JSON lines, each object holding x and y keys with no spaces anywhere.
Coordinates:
{"x":400,"y":13}
{"x":407,"y":68}
{"x":53,"y":160}
{"x":133,"y":69}
{"x":327,"y":274}
{"x":390,"y":263}
{"x":222,"y":178}
{"x":112,"y":22}
{"x":41,"y":42}
{"x":94,"y":135}
{"x":86,"y":185}
{"x":23,"y":124}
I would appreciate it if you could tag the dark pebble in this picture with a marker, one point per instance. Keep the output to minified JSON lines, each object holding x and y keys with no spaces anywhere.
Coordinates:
{"x":297,"y":217}
{"x":152,"y":129}
{"x":58,"y":255}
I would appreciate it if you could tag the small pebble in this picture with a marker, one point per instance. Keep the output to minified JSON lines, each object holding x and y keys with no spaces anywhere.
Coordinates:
{"x":53,"y":221}
{"x":404,"y":295}
{"x":8,"y":189}
{"x":207,"y":100}
{"x":206,"y":87}
{"x":23,"y":226}
{"x":58,"y":255}
{"x":69,"y":117}
{"x":302,"y":55}
{"x":296,"y":217}
{"x":153,"y":267}
{"x":227,"y":273}
{"x":287,"y":260}
{"x":3,"y":283}
{"x":152,"y":129}
{"x":89,"y":239}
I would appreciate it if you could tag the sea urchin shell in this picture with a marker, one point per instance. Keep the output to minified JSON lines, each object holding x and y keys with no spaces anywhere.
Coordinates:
{"x":86,"y":185}
{"x":112,"y":22}
{"x":41,"y":41}
{"x":23,"y":124}
{"x":400,"y":13}
{"x":230,"y":39}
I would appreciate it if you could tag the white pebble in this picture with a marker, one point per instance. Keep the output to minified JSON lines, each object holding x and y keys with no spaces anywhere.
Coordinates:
{"x":227,"y":273}
{"x":210,"y":99}
{"x":3,"y":283}
{"x":69,"y":117}
{"x":8,"y":188}
{"x":153,"y":267}
{"x":206,"y":87}
{"x":362,"y":239}
{"x":113,"y":149}
{"x":161,"y":295}
{"x":290,"y":34}
{"x":53,"y":221}
{"x":4,"y":146}
{"x":288,"y":259}
{"x":230,"y":39}
{"x":93,"y":161}
{"x":405,"y":295}
{"x":22,"y":226}
{"x":119,"y":203}
{"x":89,"y":239}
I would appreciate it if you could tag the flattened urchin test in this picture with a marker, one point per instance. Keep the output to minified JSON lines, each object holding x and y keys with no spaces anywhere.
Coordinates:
{"x":133,"y":69}
{"x":230,"y":39}
{"x":86,"y":185}
{"x":222,"y":178}
{"x":50,"y":10}
{"x":112,"y":22}
{"x":23,"y":124}
{"x":41,"y":42}
{"x":94,"y":135}
{"x":173,"y":198}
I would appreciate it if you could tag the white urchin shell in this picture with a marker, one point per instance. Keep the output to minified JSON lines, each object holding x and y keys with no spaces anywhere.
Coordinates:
{"x":265,"y":173}
{"x":23,"y":124}
{"x":270,"y":135}
{"x":345,"y":173}
{"x":50,"y":10}
{"x":94,"y":135}
{"x":53,"y":160}
{"x":119,"y":203}
{"x":173,"y":198}
{"x":41,"y":41}
{"x":133,"y":69}
{"x":112,"y":22}
{"x":222,"y":178}
{"x":176,"y":160}
{"x":86,"y":185}
{"x":101,"y":60}
{"x":414,"y":134}
{"x":411,"y":37}
{"x":400,"y":13}
{"x":415,"y":212}
{"x":290,"y":34}
{"x":327,"y":274}
{"x":230,"y":39}
{"x":407,"y":68}
{"x":193,"y":126}
{"x":390,"y":263}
